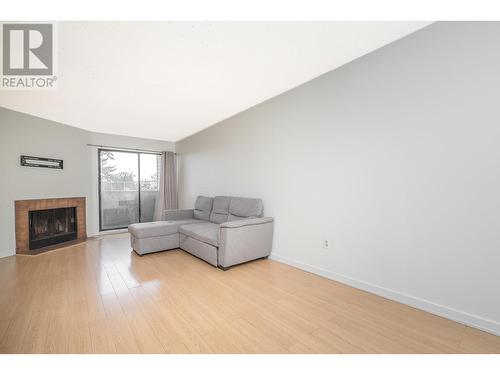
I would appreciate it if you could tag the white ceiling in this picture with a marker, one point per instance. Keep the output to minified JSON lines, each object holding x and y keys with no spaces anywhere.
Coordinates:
{"x":168,"y":80}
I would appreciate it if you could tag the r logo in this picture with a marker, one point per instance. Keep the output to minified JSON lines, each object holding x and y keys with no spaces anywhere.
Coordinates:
{"x":27,"y":49}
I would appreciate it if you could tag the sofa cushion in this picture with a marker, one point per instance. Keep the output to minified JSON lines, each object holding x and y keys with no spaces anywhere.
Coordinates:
{"x":220,"y":210}
{"x":204,"y":232}
{"x":202,"y":208}
{"x":242,"y":208}
{"x":157,"y":228}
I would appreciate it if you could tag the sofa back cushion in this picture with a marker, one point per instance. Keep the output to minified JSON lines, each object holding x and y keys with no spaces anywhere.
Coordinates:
{"x":243,"y":208}
{"x":203,"y":207}
{"x":220,"y":210}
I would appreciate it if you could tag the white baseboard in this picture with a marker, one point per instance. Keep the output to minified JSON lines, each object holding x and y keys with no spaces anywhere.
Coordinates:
{"x":431,"y":307}
{"x":4,"y":254}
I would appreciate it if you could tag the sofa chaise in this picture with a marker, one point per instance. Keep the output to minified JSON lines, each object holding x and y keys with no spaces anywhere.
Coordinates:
{"x":223,"y":231}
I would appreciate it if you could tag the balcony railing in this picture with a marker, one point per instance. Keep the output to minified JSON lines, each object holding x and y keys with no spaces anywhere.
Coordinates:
{"x":146,"y":185}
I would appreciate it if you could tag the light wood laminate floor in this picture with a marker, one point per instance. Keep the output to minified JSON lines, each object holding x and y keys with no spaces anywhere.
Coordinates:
{"x":99,"y":297}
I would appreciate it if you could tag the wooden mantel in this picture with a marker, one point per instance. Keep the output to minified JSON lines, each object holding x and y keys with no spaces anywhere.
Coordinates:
{"x":23,"y":207}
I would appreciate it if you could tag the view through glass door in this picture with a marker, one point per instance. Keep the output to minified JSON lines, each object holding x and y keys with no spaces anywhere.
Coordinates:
{"x":128,"y":188}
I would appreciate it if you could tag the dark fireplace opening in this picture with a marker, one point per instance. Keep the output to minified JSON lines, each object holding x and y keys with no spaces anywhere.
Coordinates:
{"x":50,"y":227}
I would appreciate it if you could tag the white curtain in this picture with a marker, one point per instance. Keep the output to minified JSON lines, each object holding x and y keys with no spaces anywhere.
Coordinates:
{"x":167,"y":195}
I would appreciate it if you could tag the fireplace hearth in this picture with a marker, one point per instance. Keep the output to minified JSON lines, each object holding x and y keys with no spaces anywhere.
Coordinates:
{"x":52,"y":226}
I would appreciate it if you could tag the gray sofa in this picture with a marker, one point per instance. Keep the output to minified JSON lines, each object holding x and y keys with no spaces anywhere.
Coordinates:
{"x":223,"y":231}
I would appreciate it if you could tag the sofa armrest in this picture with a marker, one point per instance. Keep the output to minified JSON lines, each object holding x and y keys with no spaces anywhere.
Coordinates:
{"x":245,"y":240}
{"x":246,"y":222}
{"x":177,"y":214}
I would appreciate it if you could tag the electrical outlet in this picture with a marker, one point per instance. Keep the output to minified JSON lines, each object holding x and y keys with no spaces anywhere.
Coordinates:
{"x":326,"y":244}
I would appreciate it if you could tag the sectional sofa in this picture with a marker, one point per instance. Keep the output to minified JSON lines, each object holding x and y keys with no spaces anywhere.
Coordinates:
{"x":223,"y":231}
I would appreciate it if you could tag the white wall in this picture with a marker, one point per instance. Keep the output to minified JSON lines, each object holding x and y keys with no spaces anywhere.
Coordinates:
{"x":22,"y":134}
{"x":394,"y":158}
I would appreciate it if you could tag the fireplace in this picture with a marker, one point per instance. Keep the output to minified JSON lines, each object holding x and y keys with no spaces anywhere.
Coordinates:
{"x":47,"y":224}
{"x":52,"y":226}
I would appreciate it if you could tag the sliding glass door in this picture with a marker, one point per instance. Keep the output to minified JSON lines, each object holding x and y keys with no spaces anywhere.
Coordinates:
{"x":149,"y":171}
{"x":128,"y":188}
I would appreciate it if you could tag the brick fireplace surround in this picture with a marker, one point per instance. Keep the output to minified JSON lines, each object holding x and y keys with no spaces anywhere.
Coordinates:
{"x":23,"y":207}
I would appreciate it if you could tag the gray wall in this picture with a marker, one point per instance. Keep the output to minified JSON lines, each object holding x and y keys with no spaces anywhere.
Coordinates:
{"x":29,"y":135}
{"x":394,"y":158}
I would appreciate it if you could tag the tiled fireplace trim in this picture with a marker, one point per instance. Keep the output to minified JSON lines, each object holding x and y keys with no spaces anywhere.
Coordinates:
{"x":23,"y":207}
